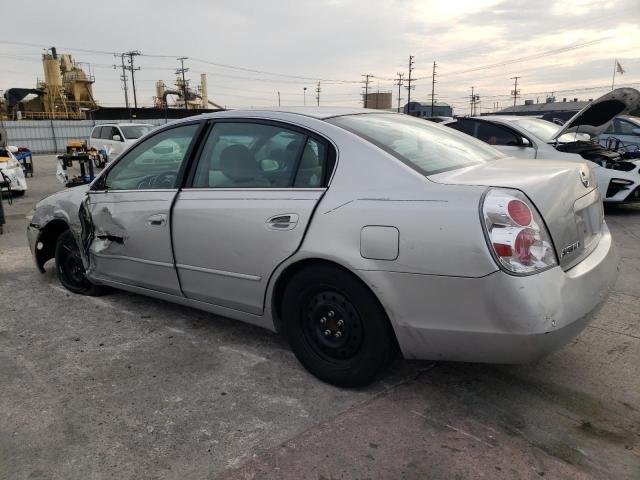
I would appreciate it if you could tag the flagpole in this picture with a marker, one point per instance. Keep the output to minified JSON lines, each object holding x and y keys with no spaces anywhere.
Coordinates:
{"x":615,"y":61}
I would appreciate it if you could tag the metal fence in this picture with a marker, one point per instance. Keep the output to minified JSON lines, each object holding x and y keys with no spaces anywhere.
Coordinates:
{"x":51,"y":136}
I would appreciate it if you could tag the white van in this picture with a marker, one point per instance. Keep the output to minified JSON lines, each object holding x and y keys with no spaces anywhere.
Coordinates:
{"x":113,"y":138}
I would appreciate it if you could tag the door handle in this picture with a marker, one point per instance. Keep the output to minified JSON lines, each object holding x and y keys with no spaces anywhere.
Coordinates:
{"x":157,"y":220}
{"x":286,"y":221}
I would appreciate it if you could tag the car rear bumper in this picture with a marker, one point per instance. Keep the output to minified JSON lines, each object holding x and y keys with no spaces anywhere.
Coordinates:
{"x":499,"y":318}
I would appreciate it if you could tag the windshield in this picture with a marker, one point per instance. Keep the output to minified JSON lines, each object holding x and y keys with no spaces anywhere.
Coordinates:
{"x":545,"y":130}
{"x":425,"y":146}
{"x":135,"y":131}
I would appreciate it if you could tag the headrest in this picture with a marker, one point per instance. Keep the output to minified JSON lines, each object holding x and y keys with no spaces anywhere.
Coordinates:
{"x":237,"y":163}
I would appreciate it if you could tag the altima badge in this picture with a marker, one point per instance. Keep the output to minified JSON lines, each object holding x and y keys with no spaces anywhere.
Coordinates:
{"x":584,"y":178}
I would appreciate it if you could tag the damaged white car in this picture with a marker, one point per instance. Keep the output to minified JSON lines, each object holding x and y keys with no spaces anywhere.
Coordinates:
{"x":528,"y":137}
{"x":11,"y":170}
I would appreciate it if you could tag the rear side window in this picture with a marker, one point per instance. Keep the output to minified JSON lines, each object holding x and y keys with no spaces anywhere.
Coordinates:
{"x":425,"y":146}
{"x":255,"y":155}
{"x":95,"y":133}
{"x":496,"y":135}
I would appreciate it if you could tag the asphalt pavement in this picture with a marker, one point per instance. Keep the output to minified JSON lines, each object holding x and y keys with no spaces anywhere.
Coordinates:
{"x":128,"y":387}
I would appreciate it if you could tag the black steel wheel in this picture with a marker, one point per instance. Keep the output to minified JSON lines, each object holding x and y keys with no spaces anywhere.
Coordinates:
{"x":336,"y":326}
{"x":70,"y":268}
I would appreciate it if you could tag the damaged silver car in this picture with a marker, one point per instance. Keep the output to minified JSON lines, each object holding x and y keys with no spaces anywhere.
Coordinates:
{"x":355,"y":233}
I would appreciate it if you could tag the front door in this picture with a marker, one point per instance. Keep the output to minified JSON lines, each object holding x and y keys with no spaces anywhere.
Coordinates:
{"x":130,"y":213}
{"x":250,"y":200}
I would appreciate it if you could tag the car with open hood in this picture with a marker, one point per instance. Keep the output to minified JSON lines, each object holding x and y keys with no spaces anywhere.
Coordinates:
{"x":534,"y":138}
{"x":352,"y":232}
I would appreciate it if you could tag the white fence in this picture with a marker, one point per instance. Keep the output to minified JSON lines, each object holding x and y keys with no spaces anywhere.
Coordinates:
{"x":51,"y":136}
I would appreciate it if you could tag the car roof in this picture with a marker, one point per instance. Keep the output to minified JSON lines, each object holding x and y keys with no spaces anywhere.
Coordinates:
{"x":320,"y":113}
{"x":111,"y":124}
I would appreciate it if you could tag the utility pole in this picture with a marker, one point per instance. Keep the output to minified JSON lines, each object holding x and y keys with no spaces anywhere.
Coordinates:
{"x":132,"y":54}
{"x":278,"y":97}
{"x":182,"y":71}
{"x":318,"y":90}
{"x":515,"y":92}
{"x":304,"y":93}
{"x":409,"y":81}
{"x":366,"y":88}
{"x":471,"y":104}
{"x":399,"y":83}
{"x":123,"y":77}
{"x":433,"y":86}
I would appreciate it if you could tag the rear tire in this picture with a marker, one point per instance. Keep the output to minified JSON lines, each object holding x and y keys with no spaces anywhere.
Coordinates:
{"x":70,"y":268}
{"x":336,"y":327}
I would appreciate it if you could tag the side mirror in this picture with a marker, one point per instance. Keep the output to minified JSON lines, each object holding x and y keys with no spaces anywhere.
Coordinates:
{"x":117,"y":138}
{"x":524,"y":142}
{"x":636,"y":131}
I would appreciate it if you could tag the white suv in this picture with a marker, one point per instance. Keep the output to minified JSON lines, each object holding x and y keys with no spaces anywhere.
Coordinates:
{"x":113,"y":138}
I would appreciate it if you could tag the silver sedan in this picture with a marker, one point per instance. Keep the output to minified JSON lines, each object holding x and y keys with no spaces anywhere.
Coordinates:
{"x":355,"y":233}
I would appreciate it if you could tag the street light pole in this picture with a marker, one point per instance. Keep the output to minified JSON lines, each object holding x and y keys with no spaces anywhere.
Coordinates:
{"x":305,"y":96}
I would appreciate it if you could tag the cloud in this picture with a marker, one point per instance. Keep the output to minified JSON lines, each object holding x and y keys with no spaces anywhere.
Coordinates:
{"x":334,"y":39}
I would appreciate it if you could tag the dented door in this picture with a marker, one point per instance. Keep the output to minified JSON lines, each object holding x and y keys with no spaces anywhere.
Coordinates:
{"x":132,"y":238}
{"x":127,"y":236}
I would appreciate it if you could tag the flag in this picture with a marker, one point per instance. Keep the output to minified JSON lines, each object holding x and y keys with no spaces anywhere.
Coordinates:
{"x":619,"y":68}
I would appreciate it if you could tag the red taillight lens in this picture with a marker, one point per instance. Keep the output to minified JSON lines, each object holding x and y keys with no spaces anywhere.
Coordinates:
{"x":503,"y":250}
{"x":519,"y":212}
{"x":523,"y":243}
{"x":516,"y":233}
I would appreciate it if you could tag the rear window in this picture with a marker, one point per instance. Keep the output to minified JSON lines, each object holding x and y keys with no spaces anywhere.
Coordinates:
{"x":425,"y":146}
{"x":135,"y":131}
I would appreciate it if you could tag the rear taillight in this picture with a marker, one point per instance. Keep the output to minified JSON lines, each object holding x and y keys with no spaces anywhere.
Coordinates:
{"x":516,"y":233}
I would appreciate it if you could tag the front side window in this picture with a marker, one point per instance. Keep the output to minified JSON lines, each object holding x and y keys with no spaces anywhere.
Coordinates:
{"x":425,"y":146}
{"x":105,"y":133}
{"x":254,"y":155}
{"x":154,"y":163}
{"x":624,"y":127}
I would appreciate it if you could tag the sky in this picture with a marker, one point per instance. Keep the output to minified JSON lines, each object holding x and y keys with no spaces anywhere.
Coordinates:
{"x":253,"y":49}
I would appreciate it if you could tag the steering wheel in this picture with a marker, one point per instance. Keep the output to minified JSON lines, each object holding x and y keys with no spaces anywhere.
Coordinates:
{"x":163,"y":180}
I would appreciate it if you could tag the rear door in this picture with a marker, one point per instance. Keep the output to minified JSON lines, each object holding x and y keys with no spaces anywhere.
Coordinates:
{"x":246,"y":208}
{"x":129,"y":237}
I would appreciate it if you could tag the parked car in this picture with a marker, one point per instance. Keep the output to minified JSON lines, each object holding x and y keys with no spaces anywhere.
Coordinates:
{"x":529,"y":137}
{"x":11,"y":169}
{"x":626,"y":130}
{"x":352,"y":232}
{"x":114,"y":138}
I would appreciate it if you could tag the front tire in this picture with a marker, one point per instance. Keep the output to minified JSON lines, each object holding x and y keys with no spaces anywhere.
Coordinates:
{"x":70,"y":268}
{"x":336,"y":327}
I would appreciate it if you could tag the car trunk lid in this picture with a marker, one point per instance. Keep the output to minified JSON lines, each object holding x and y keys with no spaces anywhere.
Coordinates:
{"x":564,"y":193}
